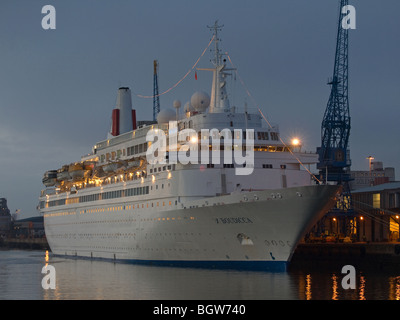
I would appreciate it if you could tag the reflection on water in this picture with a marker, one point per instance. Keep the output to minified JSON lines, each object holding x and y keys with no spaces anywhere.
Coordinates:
{"x":20,"y":278}
{"x":395,"y":288}
{"x":83,"y":279}
{"x":308,"y":287}
{"x":318,"y":286}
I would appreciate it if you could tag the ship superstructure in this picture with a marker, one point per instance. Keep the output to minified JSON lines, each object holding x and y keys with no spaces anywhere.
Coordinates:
{"x":195,"y":205}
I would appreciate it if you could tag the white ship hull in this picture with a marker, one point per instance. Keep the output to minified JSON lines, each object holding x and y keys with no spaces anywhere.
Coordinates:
{"x":180,"y":191}
{"x":252,"y":230}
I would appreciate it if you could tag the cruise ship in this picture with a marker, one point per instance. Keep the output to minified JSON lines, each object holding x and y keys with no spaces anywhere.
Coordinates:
{"x":211,"y":185}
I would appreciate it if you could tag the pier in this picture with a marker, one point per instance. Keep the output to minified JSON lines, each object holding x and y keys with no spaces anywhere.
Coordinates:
{"x":24,"y":243}
{"x":381,"y":256}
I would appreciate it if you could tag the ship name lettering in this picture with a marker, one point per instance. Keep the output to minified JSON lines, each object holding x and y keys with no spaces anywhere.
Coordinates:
{"x":233,"y":220}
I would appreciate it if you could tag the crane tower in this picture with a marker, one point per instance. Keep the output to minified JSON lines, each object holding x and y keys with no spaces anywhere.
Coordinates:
{"x":334,"y":155}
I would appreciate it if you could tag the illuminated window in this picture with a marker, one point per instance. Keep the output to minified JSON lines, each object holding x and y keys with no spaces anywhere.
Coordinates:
{"x":376,"y":200}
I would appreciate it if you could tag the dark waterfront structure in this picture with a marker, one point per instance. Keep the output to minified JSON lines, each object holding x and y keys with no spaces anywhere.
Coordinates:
{"x":378,"y":209}
{"x":29,"y":228}
{"x":376,"y":218}
{"x":377,"y":174}
{"x":25,"y":234}
{"x":25,"y":228}
{"x":5,"y":217}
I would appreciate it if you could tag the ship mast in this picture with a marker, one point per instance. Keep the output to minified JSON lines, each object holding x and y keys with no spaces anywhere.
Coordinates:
{"x":219,"y":97}
{"x":215,"y":28}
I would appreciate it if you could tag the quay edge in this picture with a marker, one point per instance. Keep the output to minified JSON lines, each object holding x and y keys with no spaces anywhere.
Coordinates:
{"x":384,"y":256}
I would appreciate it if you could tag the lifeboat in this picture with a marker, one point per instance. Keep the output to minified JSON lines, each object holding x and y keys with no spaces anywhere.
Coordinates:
{"x":133,"y":164}
{"x":98,"y":172}
{"x":63,"y":174}
{"x":50,"y":178}
{"x":76,"y":170}
{"x":111,"y":167}
{"x":88,"y":169}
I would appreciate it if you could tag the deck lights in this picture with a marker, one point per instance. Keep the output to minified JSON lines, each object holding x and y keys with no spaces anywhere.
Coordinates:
{"x":295,"y":141}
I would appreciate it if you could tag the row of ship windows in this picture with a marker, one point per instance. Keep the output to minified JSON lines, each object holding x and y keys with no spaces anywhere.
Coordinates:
{"x":231,"y":165}
{"x":114,"y":155}
{"x":265,"y":136}
{"x":261,"y":135}
{"x":366,"y":174}
{"x":130,"y":207}
{"x":270,"y":166}
{"x":120,"y":208}
{"x":140,"y":148}
{"x":98,"y":196}
{"x":123,"y":234}
{"x":163,"y":168}
{"x":130,"y":248}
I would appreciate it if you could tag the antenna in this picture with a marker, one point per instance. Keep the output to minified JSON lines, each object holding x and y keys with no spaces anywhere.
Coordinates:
{"x":215,"y":28}
{"x":156,"y":96}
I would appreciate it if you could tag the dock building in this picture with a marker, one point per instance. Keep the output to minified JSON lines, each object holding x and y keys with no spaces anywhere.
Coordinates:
{"x":5,"y":217}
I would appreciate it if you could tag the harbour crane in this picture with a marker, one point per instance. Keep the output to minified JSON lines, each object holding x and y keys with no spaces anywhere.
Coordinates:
{"x":334,"y":155}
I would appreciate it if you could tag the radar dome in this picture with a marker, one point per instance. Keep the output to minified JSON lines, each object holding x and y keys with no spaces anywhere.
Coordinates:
{"x":200,"y":101}
{"x":166,"y":115}
{"x":177,"y":104}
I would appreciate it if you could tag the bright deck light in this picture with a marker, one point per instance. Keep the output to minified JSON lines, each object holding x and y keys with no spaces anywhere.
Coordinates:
{"x":295,"y":141}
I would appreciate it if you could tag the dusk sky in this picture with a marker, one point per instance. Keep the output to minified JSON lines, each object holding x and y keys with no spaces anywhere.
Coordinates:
{"x":58,"y":87}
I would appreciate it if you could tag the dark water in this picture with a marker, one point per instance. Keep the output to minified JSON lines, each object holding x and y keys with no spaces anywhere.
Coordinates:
{"x":21,"y":278}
